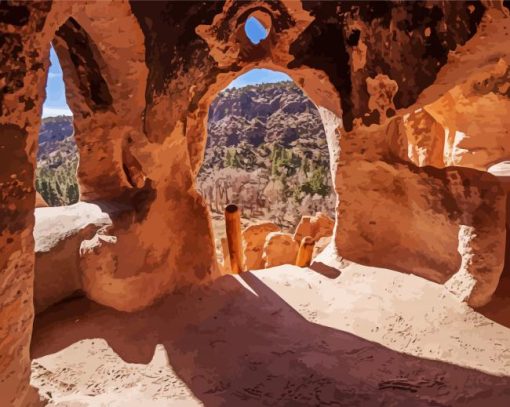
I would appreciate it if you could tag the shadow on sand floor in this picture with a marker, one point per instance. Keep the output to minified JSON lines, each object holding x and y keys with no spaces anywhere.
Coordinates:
{"x":498,"y":309}
{"x":239,"y":346}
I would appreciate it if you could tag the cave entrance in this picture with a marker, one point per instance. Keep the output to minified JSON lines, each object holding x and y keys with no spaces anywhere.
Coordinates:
{"x":267,"y":152}
{"x":57,"y":155}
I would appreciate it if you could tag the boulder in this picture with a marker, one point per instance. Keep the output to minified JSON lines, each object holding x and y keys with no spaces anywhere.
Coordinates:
{"x":59,"y":233}
{"x":254,"y":237}
{"x":316,"y":227}
{"x":279,"y":248}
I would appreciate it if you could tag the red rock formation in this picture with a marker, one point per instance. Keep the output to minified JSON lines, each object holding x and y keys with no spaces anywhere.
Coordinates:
{"x":279,"y":248}
{"x":316,"y":227}
{"x":254,"y":237}
{"x":139,"y":81}
{"x":61,"y":235}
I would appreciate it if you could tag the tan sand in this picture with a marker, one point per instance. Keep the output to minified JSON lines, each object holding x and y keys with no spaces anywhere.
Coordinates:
{"x":284,"y":336}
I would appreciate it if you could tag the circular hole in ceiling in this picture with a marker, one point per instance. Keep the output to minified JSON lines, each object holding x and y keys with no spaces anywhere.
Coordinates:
{"x":257,"y":27}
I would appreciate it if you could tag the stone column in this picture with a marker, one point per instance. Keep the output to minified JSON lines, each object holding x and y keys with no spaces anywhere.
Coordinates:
{"x":23,"y":69}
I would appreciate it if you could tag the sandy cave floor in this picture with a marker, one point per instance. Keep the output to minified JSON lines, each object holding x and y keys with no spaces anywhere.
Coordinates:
{"x":283,"y":336}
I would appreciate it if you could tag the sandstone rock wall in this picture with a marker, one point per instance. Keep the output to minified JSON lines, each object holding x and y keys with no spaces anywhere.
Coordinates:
{"x":474,"y":118}
{"x":139,"y":81}
{"x":279,"y":248}
{"x":406,"y":218}
{"x":26,"y":30}
{"x":254,"y":237}
{"x":22,"y":79}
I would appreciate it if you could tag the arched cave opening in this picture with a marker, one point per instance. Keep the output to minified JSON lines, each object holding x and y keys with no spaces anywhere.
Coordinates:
{"x":267,"y":152}
{"x":57,"y":155}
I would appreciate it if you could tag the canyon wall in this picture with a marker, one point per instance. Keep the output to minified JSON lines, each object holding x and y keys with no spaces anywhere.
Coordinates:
{"x":140,"y":78}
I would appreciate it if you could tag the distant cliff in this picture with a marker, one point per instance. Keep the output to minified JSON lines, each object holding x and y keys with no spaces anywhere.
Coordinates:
{"x":263,"y":115}
{"x":267,"y":151}
{"x":57,"y":160}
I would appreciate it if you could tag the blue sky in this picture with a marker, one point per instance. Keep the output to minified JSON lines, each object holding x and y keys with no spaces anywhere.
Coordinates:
{"x":254,"y":30}
{"x":55,"y":103}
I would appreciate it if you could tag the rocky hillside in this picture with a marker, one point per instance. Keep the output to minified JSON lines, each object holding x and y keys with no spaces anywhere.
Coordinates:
{"x":53,"y":131}
{"x":57,"y":159}
{"x":266,"y":150}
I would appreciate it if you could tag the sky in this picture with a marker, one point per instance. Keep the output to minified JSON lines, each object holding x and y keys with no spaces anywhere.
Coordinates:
{"x":256,"y":32}
{"x":257,"y":76}
{"x":55,"y":103}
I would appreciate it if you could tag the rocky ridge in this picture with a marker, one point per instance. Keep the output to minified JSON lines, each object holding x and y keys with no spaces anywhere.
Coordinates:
{"x":57,"y":161}
{"x":267,"y":151}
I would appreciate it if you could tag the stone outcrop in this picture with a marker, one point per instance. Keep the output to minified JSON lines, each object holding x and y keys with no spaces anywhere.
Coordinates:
{"x":318,"y":226}
{"x":52,"y":131}
{"x":254,"y":237}
{"x":268,"y":113}
{"x":468,"y":125}
{"x":59,"y":233}
{"x":279,"y":248}
{"x":140,"y":80}
{"x":266,"y":150}
{"x":264,"y":245}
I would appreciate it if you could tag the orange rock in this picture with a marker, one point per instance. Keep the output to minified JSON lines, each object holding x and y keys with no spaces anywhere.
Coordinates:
{"x":140,"y":82}
{"x":318,"y":226}
{"x":59,"y":234}
{"x":279,"y":248}
{"x":320,"y":245}
{"x":254,"y":237}
{"x":475,"y":119}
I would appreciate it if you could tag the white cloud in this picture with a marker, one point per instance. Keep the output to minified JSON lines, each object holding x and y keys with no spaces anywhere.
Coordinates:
{"x":55,"y":75}
{"x":56,"y":111}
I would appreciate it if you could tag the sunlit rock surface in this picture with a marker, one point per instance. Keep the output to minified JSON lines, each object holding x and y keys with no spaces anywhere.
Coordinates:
{"x":254,"y":237}
{"x":279,"y":248}
{"x":59,"y":233}
{"x":281,"y":336}
{"x":140,"y":81}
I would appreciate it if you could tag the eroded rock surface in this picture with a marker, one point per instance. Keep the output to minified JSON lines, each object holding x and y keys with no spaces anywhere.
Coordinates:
{"x":254,"y":237}
{"x":317,"y":227}
{"x":140,"y":81}
{"x":279,"y":248}
{"x":59,"y":233}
